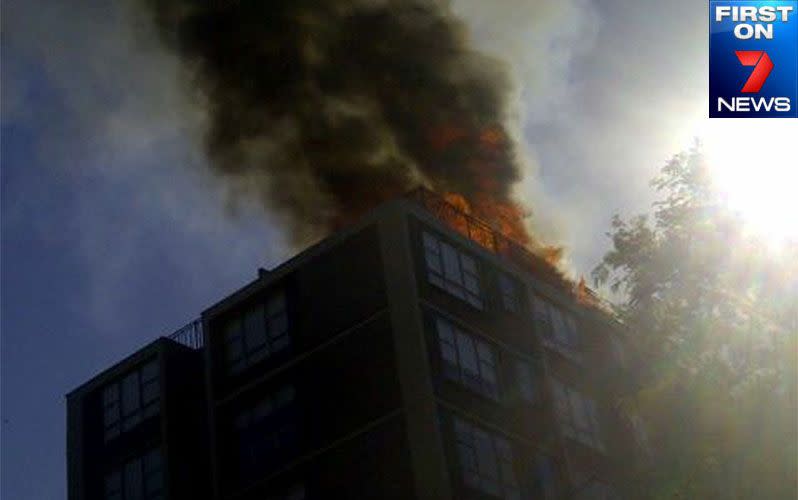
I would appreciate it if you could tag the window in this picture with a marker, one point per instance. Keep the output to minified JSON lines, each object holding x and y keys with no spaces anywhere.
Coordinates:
{"x":557,"y":326}
{"x":525,"y":379}
{"x":467,"y":360}
{"x":253,"y":336}
{"x":618,"y":350}
{"x":577,"y":415}
{"x":264,"y":430}
{"x":544,"y":478}
{"x":452,"y":270}
{"x":510,"y":293}
{"x":130,"y":400}
{"x":138,"y":479}
{"x":486,"y":461}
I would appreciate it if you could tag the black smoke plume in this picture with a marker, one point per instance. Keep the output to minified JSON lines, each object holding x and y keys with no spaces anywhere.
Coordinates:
{"x":322,"y":109}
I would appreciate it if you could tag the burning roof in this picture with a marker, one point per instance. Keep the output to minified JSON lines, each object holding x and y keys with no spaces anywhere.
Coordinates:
{"x":322,"y":110}
{"x":542,"y":261}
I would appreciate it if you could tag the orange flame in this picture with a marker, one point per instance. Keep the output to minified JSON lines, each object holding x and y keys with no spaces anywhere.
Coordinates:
{"x":492,"y":138}
{"x":444,"y":136}
{"x":552,"y":254}
{"x":587,"y":297}
{"x":458,"y":201}
{"x":507,"y":217}
{"x":486,"y":197}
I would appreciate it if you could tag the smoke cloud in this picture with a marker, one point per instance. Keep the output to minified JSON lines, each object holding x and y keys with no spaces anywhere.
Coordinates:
{"x":320,"y":110}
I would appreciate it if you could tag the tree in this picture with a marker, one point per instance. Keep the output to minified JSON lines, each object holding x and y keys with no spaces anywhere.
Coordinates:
{"x":714,"y":312}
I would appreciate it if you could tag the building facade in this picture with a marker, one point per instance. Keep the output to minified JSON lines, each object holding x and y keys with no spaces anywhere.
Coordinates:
{"x":125,"y":425}
{"x":416,"y":354}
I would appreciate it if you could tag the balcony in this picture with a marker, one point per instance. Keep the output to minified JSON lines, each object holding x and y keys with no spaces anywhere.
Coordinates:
{"x":190,"y":335}
{"x":493,"y":240}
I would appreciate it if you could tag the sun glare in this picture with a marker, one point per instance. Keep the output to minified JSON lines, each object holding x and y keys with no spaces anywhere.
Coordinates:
{"x":755,"y":165}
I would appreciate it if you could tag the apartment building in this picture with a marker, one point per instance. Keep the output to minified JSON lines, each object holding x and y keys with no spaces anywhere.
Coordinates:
{"x":415,"y":354}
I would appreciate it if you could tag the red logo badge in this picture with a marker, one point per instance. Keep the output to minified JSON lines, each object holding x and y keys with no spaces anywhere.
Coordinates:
{"x":762,"y":64}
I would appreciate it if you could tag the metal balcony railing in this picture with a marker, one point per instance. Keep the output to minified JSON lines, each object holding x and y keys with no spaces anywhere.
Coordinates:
{"x":190,"y":335}
{"x":469,"y":226}
{"x":483,"y":233}
{"x":494,"y":240}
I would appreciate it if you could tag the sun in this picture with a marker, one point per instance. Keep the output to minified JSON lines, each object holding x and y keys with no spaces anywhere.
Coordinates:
{"x":755,"y":165}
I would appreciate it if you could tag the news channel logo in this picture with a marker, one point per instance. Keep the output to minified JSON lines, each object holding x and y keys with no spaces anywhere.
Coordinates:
{"x":753,"y":59}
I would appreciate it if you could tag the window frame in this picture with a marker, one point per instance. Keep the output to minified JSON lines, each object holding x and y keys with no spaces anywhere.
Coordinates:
{"x":255,"y":333}
{"x":144,"y":384}
{"x":485,"y":460}
{"x":546,"y":476}
{"x":148,"y":483}
{"x":510,"y":292}
{"x":264,"y":420}
{"x":572,"y":407}
{"x":527,"y":381}
{"x":452,"y":270}
{"x":455,"y":343}
{"x":557,"y":325}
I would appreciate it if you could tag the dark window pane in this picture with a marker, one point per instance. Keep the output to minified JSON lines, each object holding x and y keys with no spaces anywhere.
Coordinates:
{"x":111,"y":432}
{"x":451,"y":264}
{"x":452,"y":270}
{"x":545,"y":480}
{"x":466,"y":359}
{"x":467,"y":353}
{"x":254,"y":328}
{"x":232,"y":330}
{"x":262,"y":432}
{"x":261,"y":331}
{"x":150,"y":392}
{"x":111,"y":395}
{"x":131,"y":401}
{"x":113,"y":484}
{"x":278,"y":325}
{"x":525,"y":377}
{"x":149,"y":371}
{"x":133,"y":480}
{"x":433,"y":260}
{"x":276,"y":305}
{"x":573,"y":336}
{"x":509,"y":293}
{"x":111,"y":415}
{"x":151,"y":409}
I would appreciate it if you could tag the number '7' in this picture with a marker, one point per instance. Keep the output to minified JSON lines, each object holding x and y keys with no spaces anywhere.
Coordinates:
{"x":762,"y":68}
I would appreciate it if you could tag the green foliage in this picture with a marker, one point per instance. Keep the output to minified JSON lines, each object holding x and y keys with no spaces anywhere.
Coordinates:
{"x":714,"y":312}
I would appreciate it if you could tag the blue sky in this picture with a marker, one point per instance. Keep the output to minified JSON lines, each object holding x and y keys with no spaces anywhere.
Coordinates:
{"x":113,"y":232}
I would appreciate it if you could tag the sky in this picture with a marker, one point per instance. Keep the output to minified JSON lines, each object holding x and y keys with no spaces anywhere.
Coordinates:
{"x":610,"y":90}
{"x":114,"y":232}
